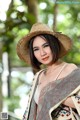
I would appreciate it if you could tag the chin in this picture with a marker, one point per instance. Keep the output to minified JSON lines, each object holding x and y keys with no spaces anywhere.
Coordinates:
{"x":48,"y":63}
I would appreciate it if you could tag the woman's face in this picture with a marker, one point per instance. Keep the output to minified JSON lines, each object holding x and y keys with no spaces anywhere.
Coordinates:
{"x":42,"y":50}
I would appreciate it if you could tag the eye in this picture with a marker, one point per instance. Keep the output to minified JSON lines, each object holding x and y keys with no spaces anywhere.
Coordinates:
{"x":46,"y":45}
{"x":35,"y":49}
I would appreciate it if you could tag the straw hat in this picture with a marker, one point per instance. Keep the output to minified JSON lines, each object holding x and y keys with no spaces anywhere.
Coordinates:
{"x":40,"y":28}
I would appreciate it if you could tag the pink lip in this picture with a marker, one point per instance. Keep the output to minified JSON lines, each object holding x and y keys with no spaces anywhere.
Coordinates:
{"x":45,"y":59}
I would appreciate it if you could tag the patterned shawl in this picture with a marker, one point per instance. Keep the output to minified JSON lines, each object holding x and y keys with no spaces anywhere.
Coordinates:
{"x":52,"y":95}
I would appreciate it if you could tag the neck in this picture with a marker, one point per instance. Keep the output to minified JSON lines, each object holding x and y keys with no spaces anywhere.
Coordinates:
{"x":53,"y":67}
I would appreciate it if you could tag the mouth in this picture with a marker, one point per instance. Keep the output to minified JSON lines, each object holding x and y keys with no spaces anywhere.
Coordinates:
{"x":45,"y":59}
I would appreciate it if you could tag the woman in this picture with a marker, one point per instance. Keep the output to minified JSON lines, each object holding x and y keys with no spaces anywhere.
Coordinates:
{"x":55,"y":91}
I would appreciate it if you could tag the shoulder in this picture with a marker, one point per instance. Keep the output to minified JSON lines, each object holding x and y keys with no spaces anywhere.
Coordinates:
{"x":68,"y":69}
{"x":71,"y":66}
{"x":38,"y":73}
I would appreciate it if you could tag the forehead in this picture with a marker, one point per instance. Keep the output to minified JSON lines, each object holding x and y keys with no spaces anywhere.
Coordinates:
{"x":39,"y":40}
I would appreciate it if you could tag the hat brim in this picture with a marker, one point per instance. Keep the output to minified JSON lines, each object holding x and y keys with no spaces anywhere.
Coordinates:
{"x":22,"y":50}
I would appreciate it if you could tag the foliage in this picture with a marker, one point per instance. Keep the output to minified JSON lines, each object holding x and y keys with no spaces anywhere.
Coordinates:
{"x":12,"y":103}
{"x":72,"y":21}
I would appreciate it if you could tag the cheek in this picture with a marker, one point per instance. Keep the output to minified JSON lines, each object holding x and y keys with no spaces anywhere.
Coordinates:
{"x":49,"y":51}
{"x":36,"y":54}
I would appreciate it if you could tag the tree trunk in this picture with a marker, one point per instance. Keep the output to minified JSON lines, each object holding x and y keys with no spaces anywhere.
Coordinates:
{"x":55,"y":16}
{"x":32,"y":10}
{"x":1,"y":97}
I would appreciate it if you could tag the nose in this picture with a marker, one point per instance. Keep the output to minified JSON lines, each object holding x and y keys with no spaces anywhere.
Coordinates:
{"x":42,"y":52}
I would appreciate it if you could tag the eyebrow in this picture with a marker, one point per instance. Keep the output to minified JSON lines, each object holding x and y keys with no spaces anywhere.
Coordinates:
{"x":45,"y":43}
{"x":35,"y":48}
{"x":42,"y":45}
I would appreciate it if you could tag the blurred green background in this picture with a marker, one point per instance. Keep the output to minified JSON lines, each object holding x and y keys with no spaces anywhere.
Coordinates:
{"x":16,"y":19}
